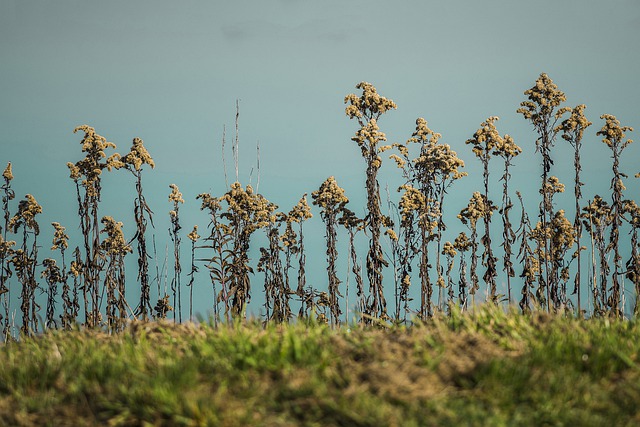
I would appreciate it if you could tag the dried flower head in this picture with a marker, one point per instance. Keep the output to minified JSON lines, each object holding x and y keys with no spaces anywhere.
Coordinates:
{"x":543,"y":97}
{"x":349,"y":220}
{"x":598,"y":213}
{"x":330,"y":196}
{"x":631,"y":207}
{"x":573,"y":127}
{"x":553,"y":186}
{"x":114,"y":243}
{"x":508,"y":149}
{"x":613,"y":134}
{"x":449,"y":250}
{"x":209,"y":202}
{"x":60,"y":237}
{"x":194,"y":236}
{"x":486,"y":139}
{"x":176,"y":195}
{"x":301,"y":211}
{"x":27,"y":211}
{"x":75,"y":268}
{"x":462,"y":242}
{"x":477,"y":208}
{"x":138,"y":155}
{"x":368,"y":105}
{"x":563,"y":234}
{"x":5,"y":246}
{"x":7,"y":174}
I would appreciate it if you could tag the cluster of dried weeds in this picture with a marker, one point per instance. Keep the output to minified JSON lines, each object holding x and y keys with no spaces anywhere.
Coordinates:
{"x":92,"y":287}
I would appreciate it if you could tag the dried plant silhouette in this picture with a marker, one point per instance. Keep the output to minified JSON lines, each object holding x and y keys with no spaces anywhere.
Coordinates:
{"x":332,"y":201}
{"x":573,"y":131}
{"x":367,"y":110}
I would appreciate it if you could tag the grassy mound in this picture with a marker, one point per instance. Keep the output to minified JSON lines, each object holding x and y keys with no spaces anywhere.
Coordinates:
{"x":489,"y":368}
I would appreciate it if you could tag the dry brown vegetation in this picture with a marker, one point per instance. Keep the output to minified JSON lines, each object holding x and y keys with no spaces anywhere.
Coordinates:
{"x":90,"y":290}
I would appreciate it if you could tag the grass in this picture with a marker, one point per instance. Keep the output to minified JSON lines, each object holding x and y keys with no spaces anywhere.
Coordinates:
{"x":490,"y":368}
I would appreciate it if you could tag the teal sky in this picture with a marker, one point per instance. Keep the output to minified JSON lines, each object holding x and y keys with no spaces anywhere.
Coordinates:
{"x":170,"y":73}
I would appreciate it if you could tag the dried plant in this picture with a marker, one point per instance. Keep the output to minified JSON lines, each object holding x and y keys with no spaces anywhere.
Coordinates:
{"x":477,"y":208}
{"x":572,"y":131}
{"x":71,"y":304}
{"x":86,"y":174}
{"x":462,"y":245}
{"x":331,"y":199}
{"x":449,"y":251}
{"x":487,"y":141}
{"x":220,"y":240}
{"x":508,"y":150}
{"x":407,"y":248}
{"x":632,"y":273}
{"x":276,"y":304}
{"x":176,"y":198}
{"x":115,"y":248}
{"x":294,"y":244}
{"x":353,"y":225}
{"x":614,"y":136}
{"x":133,"y":162}
{"x":230,"y":240}
{"x":563,"y":236}
{"x":543,"y":111}
{"x":428,"y":177}
{"x":548,"y":236}
{"x":367,"y":109}
{"x":54,"y":276}
{"x":530,"y":263}
{"x":25,"y":260}
{"x":6,"y":252}
{"x":193,"y":237}
{"x":597,"y":218}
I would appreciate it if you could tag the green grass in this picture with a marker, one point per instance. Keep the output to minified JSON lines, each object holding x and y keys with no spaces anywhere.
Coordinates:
{"x":491,"y":368}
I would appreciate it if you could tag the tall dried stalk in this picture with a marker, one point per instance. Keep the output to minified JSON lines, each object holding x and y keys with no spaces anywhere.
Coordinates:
{"x":462,"y":245}
{"x":69,"y":305}
{"x":614,"y":137}
{"x":486,"y":141}
{"x":220,"y":240}
{"x":230,"y":239}
{"x":331,"y":199}
{"x":133,"y":162}
{"x":6,"y":252}
{"x":572,"y":131}
{"x":542,"y":111}
{"x":193,"y":236}
{"x":449,"y":252}
{"x":632,"y":265}
{"x":555,"y":233}
{"x":428,"y":177}
{"x":25,"y":260}
{"x":477,"y":208}
{"x":407,"y":250}
{"x":294,"y":244}
{"x":367,"y":109}
{"x":276,"y":304}
{"x":527,"y":256}
{"x":507,"y":150}
{"x":53,"y":276}
{"x":353,"y":224}
{"x":86,"y":174}
{"x":115,"y":248}
{"x":596,"y":218}
{"x":176,"y":198}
